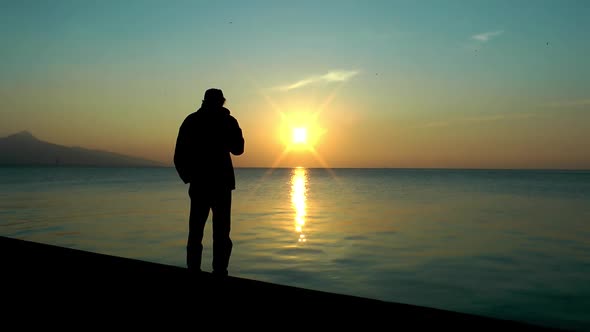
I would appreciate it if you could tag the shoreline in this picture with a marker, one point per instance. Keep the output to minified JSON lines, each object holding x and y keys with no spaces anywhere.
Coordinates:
{"x":47,"y":279}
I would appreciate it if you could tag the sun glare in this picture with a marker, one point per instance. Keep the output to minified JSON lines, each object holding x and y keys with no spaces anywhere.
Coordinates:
{"x":299,"y":135}
{"x":300,"y":131}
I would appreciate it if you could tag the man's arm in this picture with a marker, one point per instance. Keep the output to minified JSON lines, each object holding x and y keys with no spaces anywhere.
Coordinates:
{"x":236,"y":142}
{"x":180,"y":154}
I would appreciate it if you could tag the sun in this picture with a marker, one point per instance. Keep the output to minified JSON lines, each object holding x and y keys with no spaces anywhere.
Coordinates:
{"x":300,"y":131}
{"x":299,"y":135}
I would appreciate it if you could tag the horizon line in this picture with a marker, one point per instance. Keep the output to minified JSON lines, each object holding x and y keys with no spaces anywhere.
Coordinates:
{"x":319,"y":168}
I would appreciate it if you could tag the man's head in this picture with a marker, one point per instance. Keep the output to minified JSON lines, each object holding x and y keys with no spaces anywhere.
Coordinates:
{"x":214,"y":97}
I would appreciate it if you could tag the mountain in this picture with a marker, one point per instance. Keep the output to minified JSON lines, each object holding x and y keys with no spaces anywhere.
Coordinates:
{"x":25,"y":149}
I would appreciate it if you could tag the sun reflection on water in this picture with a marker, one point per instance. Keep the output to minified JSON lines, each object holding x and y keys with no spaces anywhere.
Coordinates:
{"x":298,"y":199}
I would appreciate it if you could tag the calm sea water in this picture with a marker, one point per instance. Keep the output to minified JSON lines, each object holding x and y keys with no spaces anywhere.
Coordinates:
{"x":506,"y":244}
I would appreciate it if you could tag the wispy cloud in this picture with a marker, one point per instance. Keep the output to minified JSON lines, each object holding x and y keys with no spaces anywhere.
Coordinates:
{"x":329,"y":77}
{"x":486,"y":36}
{"x":478,"y":119}
{"x":569,"y":103}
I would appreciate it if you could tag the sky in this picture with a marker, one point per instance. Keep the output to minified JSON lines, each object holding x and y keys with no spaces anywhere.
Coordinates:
{"x":408,"y":84}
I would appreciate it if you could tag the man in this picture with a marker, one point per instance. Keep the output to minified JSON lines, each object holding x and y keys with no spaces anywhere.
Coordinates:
{"x":202,"y":158}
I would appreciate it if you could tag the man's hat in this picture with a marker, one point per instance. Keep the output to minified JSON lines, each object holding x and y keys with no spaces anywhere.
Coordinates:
{"x":214,"y":95}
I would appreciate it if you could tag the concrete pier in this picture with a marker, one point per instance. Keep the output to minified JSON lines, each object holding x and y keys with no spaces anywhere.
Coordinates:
{"x":55,"y":286}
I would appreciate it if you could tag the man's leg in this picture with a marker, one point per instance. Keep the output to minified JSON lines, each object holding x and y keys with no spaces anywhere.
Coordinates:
{"x":222,"y":244}
{"x":197,"y":219}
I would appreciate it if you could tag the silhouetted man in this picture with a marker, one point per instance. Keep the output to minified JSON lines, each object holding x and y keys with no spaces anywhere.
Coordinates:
{"x":202,"y":158}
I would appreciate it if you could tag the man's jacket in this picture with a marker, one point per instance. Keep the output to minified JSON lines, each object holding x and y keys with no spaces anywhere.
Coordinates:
{"x":202,"y":154}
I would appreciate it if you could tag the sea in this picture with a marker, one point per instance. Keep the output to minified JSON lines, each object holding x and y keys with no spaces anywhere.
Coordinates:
{"x":509,"y":244}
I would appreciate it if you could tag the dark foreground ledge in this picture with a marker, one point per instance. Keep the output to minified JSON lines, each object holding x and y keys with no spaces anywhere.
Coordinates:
{"x":56,"y":286}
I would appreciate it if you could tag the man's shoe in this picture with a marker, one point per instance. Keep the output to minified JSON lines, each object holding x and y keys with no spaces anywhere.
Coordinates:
{"x":195,"y":270}
{"x":219,"y":273}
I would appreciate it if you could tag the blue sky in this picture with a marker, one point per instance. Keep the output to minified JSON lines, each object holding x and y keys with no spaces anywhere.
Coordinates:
{"x":130,"y":65}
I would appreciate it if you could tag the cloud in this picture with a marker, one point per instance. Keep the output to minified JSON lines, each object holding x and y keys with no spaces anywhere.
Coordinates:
{"x":478,"y":119}
{"x":569,"y":103}
{"x":329,"y":77}
{"x":486,"y":36}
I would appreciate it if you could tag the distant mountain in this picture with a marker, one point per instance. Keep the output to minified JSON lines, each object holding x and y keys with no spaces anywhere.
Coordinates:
{"x":25,"y":149}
